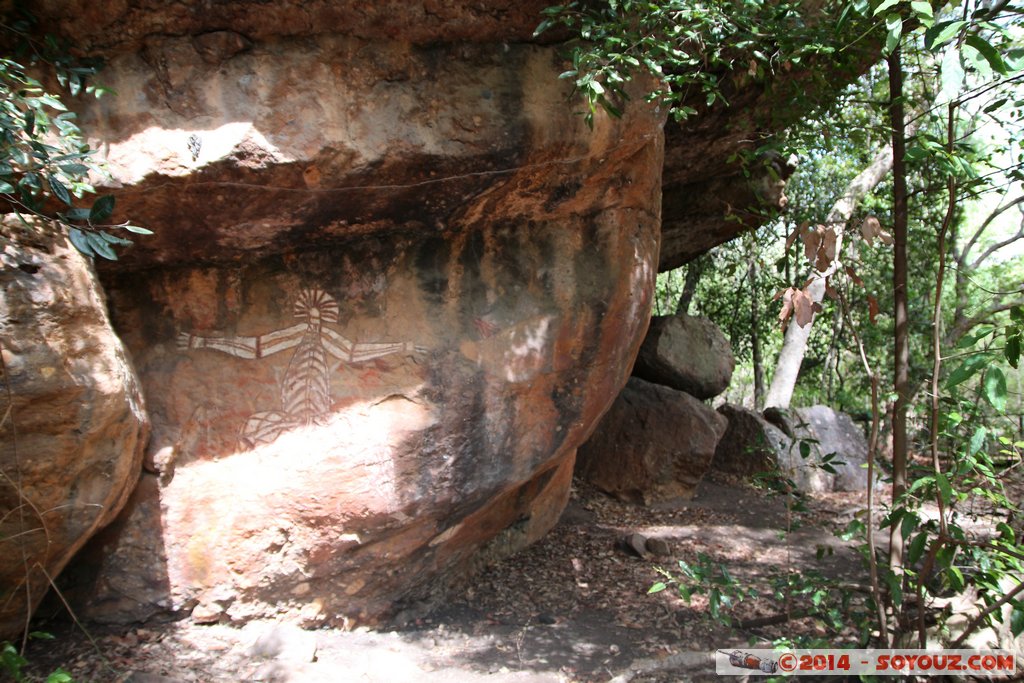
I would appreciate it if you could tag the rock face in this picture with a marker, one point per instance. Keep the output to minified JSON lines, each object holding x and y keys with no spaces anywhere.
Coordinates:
{"x":392,"y":288}
{"x":654,"y":444}
{"x":394,"y":284}
{"x":72,"y":423}
{"x":826,"y":432}
{"x":687,"y":353}
{"x":750,"y":444}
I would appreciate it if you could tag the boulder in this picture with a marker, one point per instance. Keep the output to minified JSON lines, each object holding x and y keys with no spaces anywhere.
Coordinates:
{"x":827,"y":432}
{"x":376,"y":320}
{"x":688,"y":353}
{"x":72,"y":423}
{"x":654,"y":444}
{"x":750,"y":445}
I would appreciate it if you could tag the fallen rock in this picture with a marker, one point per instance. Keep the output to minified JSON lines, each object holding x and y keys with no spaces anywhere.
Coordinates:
{"x":659,"y":547}
{"x":750,"y":445}
{"x":72,"y":423}
{"x":827,"y":432}
{"x":687,"y":353}
{"x":654,"y":444}
{"x":636,"y":544}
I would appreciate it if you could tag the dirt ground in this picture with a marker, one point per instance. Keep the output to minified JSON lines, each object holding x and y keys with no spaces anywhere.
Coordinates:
{"x":572,"y":608}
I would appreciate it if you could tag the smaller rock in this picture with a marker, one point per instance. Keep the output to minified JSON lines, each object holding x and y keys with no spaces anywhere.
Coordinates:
{"x":828,"y":433}
{"x":207,"y":613}
{"x":655,"y":444}
{"x":636,"y":544}
{"x":659,"y":546}
{"x":750,"y":445}
{"x":686,"y":353}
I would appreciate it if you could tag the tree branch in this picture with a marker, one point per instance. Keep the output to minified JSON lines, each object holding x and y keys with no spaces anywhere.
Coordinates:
{"x":998,"y":211}
{"x":964,"y":326}
{"x":999,"y":245}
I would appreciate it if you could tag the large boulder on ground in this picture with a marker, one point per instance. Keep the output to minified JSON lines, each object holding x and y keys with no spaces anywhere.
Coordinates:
{"x":828,"y":434}
{"x":688,"y":353}
{"x":751,"y":445}
{"x":654,"y":444}
{"x":393,"y":286}
{"x":72,"y":423}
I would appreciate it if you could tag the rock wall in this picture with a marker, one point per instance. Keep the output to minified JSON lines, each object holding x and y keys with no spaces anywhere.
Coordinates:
{"x":392,"y":288}
{"x":394,"y":284}
{"x":72,"y":420}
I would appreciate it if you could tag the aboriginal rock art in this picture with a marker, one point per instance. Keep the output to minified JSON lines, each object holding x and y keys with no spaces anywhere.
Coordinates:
{"x":306,"y":385}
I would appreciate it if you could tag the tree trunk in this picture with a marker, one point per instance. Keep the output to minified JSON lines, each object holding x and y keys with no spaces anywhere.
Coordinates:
{"x":755,"y":334}
{"x":694,"y":269}
{"x":901,"y":336}
{"x":787,"y":367}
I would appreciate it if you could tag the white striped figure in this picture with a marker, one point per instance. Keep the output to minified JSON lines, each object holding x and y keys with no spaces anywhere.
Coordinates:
{"x":306,"y":387}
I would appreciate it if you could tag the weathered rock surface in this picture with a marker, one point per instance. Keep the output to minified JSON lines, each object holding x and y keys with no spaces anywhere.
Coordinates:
{"x":654,"y":444}
{"x":394,"y":284}
{"x":72,"y":423}
{"x":394,"y":290}
{"x":826,"y":432}
{"x":687,"y":353}
{"x":750,"y":444}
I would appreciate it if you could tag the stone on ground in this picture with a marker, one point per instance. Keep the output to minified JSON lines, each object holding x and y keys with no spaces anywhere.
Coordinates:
{"x":686,"y":353}
{"x":654,"y":444}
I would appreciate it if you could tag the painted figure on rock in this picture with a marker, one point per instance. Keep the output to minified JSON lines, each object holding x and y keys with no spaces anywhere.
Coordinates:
{"x":306,"y":386}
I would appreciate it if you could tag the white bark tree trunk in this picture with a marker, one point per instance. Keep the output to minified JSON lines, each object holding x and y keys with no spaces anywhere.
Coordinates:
{"x":787,"y":367}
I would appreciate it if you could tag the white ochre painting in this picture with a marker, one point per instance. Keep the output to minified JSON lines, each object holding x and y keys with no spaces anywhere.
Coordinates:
{"x":306,"y":385}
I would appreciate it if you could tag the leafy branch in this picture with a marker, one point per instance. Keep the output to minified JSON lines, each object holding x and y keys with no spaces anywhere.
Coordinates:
{"x":45,"y":163}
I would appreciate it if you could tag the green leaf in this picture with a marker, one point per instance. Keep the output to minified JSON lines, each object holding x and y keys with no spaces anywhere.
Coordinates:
{"x":923,"y":11}
{"x":137,"y":230}
{"x":916,"y":548}
{"x":977,"y":440}
{"x":657,"y":588}
{"x":971,"y":339}
{"x":908,"y":524}
{"x":100,"y":246}
{"x":886,"y":4}
{"x":995,"y":388}
{"x":75,"y":170}
{"x":894,"y":30}
{"x":937,"y":35}
{"x":1017,"y":621}
{"x":945,"y":488}
{"x":991,"y":55}
{"x":102,"y":209}
{"x":79,"y":240}
{"x":59,"y":676}
{"x":955,"y":578}
{"x":805,"y":450}
{"x":971,"y":366}
{"x":952,"y":75}
{"x":114,"y":239}
{"x":895,"y":590}
{"x":1012,"y":351}
{"x":59,"y":191}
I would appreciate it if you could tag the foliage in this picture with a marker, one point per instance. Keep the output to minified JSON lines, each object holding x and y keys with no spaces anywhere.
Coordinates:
{"x":687,"y":47}
{"x":12,"y":663}
{"x":965,"y":66}
{"x":45,"y":162}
